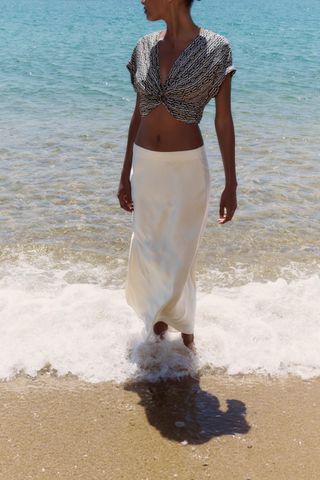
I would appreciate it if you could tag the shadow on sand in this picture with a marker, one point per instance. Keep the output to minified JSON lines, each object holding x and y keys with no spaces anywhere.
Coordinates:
{"x":182,"y":411}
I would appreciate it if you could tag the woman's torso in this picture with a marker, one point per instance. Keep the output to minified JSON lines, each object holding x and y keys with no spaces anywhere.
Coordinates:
{"x":159,"y":130}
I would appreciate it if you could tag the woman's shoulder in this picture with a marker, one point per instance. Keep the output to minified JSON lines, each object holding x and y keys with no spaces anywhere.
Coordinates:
{"x":147,"y":37}
{"x":205,"y":32}
{"x":215,"y":37}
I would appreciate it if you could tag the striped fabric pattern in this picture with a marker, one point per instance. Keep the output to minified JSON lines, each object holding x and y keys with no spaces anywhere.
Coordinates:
{"x":194,"y":78}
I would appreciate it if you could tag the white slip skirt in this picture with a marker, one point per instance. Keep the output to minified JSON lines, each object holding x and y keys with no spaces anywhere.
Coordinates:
{"x":170,"y":194}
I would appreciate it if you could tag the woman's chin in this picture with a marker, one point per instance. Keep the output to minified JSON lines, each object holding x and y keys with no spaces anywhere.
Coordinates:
{"x":149,"y":17}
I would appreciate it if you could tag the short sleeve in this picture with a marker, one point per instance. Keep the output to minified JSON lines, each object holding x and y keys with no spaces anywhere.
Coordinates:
{"x":132,"y":67}
{"x":222,"y":68}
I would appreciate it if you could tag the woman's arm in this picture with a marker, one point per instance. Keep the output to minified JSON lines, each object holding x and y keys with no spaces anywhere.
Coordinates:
{"x":124,"y":190}
{"x":226,"y":139}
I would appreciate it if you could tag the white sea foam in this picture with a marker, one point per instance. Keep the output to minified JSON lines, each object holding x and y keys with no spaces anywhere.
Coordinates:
{"x":89,"y":330}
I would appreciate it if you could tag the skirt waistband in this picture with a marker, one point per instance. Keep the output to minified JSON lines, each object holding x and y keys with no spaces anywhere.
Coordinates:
{"x":175,"y":154}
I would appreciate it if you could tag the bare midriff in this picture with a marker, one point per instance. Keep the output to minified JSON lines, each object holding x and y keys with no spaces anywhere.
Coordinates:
{"x":160,"y":131}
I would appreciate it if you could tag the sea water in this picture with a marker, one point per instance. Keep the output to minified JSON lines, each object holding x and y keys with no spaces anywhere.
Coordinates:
{"x":66,"y":105}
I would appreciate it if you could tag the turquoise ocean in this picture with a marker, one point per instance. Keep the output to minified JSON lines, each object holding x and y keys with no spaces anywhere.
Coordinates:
{"x":66,"y":104}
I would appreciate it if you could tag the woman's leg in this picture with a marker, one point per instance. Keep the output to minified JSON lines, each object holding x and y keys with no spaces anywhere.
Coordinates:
{"x":159,"y":328}
{"x":188,"y":340}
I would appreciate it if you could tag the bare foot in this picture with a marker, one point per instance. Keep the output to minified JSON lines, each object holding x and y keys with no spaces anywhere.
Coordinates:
{"x":188,"y":340}
{"x":160,"y":328}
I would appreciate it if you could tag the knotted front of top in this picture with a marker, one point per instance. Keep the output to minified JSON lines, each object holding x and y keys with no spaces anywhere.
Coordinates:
{"x":194,"y":78}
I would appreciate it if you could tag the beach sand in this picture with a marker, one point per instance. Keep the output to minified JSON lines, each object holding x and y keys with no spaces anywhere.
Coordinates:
{"x":217,"y":427}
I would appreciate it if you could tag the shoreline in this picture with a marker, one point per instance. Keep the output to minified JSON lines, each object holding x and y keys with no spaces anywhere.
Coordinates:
{"x":217,"y":426}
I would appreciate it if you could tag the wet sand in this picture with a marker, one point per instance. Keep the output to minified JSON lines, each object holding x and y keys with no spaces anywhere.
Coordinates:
{"x":216,"y":427}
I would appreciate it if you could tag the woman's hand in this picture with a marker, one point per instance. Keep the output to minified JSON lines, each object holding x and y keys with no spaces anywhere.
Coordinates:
{"x":124,"y":194}
{"x":228,"y":204}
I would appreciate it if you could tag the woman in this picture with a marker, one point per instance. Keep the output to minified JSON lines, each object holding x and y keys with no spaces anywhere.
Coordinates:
{"x":165,"y":179}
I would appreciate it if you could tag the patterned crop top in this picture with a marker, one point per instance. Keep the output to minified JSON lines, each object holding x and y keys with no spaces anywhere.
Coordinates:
{"x":195,"y":76}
